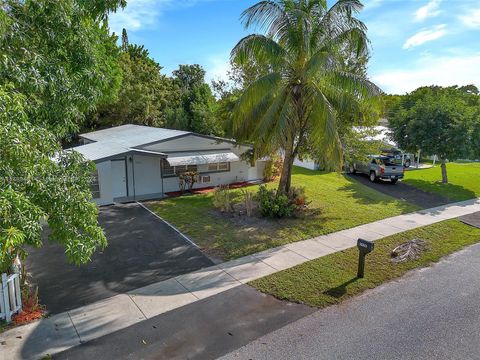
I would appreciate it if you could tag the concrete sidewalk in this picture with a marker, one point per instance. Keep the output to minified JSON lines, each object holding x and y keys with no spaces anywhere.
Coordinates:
{"x":74,"y":327}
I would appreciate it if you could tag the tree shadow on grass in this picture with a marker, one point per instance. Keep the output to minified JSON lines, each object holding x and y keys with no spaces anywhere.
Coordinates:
{"x":340,"y":290}
{"x":367,"y":195}
{"x":298,"y":170}
{"x":451,"y":191}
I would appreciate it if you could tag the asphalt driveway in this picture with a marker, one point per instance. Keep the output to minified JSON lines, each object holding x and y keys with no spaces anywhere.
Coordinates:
{"x":404,"y":192}
{"x":142,"y":250}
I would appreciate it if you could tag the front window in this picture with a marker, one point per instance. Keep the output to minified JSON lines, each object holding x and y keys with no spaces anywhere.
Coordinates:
{"x":169,"y":170}
{"x":223,"y":166}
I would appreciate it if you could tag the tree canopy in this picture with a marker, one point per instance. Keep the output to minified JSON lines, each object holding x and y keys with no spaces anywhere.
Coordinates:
{"x":144,"y":94}
{"x":61,"y":57}
{"x":195,"y":110}
{"x":305,"y":47}
{"x":438,"y":121}
{"x":58,"y":63}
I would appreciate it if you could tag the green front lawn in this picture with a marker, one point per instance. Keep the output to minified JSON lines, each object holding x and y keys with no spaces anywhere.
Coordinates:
{"x":332,"y":279}
{"x":339,"y":201}
{"x":464,"y":180}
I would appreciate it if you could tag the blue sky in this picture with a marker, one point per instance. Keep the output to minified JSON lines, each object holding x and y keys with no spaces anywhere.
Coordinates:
{"x":414,"y":42}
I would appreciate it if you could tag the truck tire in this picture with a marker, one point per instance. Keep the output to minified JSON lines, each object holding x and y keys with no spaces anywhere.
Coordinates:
{"x":407,"y":163}
{"x":373,"y":176}
{"x":351,"y":169}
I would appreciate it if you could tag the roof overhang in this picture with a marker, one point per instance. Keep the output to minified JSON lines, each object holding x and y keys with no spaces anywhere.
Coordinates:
{"x":201,"y":158}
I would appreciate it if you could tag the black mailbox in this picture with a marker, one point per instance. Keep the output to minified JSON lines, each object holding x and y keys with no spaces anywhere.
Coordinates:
{"x":364,"y":247}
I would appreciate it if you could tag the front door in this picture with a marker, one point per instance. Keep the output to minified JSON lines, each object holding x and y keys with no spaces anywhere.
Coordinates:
{"x":119,"y":179}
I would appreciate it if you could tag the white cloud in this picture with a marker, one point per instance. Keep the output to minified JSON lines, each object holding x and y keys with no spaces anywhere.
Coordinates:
{"x":431,"y":9}
{"x":459,"y":69}
{"x":139,"y":14}
{"x":217,"y":67}
{"x":425,"y":35}
{"x":472,"y":19}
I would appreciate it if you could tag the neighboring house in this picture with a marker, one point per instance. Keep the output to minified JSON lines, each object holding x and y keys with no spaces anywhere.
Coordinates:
{"x":381,"y":133}
{"x":138,"y":162}
{"x":307,"y":164}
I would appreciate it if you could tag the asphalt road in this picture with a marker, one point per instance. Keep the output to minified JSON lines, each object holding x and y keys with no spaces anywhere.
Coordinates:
{"x":202,"y":330}
{"x":433,"y":313}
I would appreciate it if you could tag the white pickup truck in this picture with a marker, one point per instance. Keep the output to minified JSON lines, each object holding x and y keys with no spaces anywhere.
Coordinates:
{"x":379,"y":167}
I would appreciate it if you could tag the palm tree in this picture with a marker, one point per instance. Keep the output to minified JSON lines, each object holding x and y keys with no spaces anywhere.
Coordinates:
{"x":295,"y":104}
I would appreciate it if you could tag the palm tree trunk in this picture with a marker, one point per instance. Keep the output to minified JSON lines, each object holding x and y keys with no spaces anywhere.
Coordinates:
{"x":444,"y":171}
{"x":286,"y":176}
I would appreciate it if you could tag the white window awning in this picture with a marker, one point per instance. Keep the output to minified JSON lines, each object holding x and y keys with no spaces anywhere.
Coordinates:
{"x":200,"y":158}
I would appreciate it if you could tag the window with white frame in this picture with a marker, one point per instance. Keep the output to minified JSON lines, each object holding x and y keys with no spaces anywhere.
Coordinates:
{"x":170,"y":171}
{"x":217,"y":167}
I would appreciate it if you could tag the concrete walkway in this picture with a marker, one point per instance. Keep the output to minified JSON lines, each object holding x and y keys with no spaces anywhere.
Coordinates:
{"x":65,"y":330}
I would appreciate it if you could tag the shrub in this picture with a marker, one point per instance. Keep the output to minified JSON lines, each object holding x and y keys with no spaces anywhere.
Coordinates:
{"x":249,"y":201}
{"x":274,"y":205}
{"x":187,"y":179}
{"x":182,"y":184}
{"x":277,"y":205}
{"x":297,"y":196}
{"x":222,"y":199}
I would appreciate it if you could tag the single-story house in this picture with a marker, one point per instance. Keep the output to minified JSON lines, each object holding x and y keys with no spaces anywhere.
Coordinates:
{"x":139,"y":162}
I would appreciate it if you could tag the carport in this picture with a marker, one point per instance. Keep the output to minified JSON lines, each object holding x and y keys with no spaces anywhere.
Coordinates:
{"x":142,"y":250}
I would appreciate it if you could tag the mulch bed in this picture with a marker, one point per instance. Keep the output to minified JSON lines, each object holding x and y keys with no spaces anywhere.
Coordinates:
{"x":208,"y":189}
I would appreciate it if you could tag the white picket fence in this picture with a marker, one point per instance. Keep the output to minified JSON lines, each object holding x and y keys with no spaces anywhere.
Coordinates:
{"x":10,"y":296}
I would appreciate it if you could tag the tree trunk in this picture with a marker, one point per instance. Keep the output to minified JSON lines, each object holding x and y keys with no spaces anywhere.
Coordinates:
{"x":286,"y":176}
{"x":444,"y":171}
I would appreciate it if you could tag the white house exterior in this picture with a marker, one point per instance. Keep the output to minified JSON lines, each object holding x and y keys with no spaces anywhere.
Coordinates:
{"x":138,"y":162}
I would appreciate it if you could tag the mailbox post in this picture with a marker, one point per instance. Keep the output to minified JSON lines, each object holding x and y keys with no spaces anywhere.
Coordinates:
{"x":364,"y":247}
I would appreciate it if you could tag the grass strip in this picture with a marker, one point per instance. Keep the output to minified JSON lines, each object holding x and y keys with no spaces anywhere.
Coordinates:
{"x":332,"y":279}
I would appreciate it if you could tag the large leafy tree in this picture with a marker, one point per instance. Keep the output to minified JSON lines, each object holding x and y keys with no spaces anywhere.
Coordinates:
{"x":39,"y":181}
{"x":195,"y":110}
{"x":58,"y":61}
{"x":297,"y":103}
{"x":438,"y":121}
{"x":144,"y":93}
{"x":59,"y":54}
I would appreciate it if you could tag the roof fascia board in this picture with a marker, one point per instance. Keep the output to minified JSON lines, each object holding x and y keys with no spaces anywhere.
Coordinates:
{"x":130,"y":152}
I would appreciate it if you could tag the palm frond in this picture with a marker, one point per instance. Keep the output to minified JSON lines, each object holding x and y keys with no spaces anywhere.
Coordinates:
{"x":258,"y":48}
{"x":268,"y":122}
{"x":322,"y":123}
{"x":338,"y":19}
{"x":254,"y":101}
{"x":354,"y":84}
{"x":263,"y":15}
{"x":319,"y":61}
